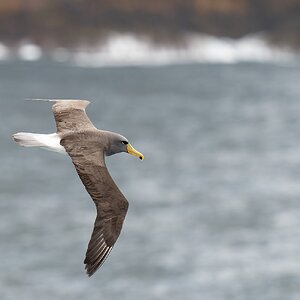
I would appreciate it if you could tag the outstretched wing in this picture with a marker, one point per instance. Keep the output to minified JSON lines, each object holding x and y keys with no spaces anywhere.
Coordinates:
{"x":70,"y":115}
{"x":111,"y":205}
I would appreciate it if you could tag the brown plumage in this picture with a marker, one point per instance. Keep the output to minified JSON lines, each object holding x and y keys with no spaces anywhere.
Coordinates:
{"x":87,"y":147}
{"x":110,"y":203}
{"x":70,"y":116}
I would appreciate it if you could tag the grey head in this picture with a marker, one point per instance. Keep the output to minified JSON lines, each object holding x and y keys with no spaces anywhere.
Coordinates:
{"x":116,"y":143}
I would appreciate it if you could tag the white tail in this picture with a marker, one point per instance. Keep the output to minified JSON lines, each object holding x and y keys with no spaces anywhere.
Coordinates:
{"x":47,"y":141}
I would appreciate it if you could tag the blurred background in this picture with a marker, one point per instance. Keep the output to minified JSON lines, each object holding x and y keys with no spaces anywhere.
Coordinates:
{"x":209,"y":92}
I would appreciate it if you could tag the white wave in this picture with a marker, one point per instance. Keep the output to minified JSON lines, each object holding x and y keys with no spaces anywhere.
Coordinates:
{"x":127,"y":49}
{"x":4,"y":52}
{"x":29,"y":52}
{"x":130,"y":50}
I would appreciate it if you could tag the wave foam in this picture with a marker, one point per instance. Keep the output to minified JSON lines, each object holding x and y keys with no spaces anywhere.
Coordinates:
{"x":29,"y":52}
{"x":4,"y":52}
{"x":129,"y":50}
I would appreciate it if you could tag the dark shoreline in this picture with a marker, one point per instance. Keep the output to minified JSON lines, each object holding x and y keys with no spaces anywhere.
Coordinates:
{"x":52,"y":23}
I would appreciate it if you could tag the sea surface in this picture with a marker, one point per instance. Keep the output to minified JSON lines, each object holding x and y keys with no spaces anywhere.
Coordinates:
{"x":214,"y":208}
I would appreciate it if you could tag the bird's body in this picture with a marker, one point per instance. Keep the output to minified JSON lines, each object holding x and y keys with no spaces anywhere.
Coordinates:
{"x":87,"y":146}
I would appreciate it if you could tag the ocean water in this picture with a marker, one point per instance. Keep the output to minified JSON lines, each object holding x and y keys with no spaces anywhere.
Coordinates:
{"x":214,"y":208}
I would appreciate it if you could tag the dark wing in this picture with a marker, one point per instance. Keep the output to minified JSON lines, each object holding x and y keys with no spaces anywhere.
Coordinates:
{"x":70,"y":115}
{"x":110,"y":203}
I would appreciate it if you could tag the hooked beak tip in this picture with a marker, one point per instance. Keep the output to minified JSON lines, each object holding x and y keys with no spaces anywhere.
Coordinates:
{"x":134,"y":152}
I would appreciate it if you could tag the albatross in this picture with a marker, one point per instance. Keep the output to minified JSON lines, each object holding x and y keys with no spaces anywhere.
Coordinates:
{"x":87,"y":147}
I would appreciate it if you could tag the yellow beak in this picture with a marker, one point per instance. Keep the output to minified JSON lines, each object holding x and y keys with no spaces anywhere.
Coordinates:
{"x":134,"y":152}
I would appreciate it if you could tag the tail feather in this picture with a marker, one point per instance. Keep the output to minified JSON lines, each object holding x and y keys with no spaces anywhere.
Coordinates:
{"x":46,"y":141}
{"x":27,"y":139}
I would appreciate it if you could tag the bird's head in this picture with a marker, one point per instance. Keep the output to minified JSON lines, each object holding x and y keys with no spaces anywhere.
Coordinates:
{"x":117,"y":143}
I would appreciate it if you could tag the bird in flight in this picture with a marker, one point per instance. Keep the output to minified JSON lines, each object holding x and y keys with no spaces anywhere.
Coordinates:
{"x":87,"y":147}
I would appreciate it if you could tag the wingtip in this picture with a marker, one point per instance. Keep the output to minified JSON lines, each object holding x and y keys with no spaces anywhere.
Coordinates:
{"x":56,"y":99}
{"x":39,"y":99}
{"x":91,"y":268}
{"x":89,"y":272}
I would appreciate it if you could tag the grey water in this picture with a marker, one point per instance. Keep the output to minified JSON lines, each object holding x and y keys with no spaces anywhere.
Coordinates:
{"x":214,"y":208}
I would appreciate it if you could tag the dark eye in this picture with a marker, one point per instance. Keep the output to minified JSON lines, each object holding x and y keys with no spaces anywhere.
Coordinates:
{"x":124,"y":142}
